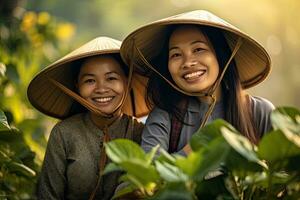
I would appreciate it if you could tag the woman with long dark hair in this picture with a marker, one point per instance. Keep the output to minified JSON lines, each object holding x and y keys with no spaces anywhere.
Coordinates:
{"x":198,"y":67}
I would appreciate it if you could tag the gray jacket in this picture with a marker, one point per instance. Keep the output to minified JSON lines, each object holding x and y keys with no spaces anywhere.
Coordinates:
{"x":70,"y":168}
{"x":158,"y":124}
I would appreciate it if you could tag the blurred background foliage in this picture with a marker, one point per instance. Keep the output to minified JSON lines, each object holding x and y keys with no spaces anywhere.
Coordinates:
{"x":35,"y":33}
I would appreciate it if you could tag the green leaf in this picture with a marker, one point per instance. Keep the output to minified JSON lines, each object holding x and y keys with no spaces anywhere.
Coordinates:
{"x":143,"y":173}
{"x":213,"y":156}
{"x":11,"y":136}
{"x":176,"y":191}
{"x":120,"y":150}
{"x":165,"y":156}
{"x":275,"y":147}
{"x":145,"y":189}
{"x":151,"y":154}
{"x":212,"y":188}
{"x":287,"y":119}
{"x":21,"y":169}
{"x":111,"y":167}
{"x":124,"y":192}
{"x":3,"y":122}
{"x":184,"y":163}
{"x":170,"y":173}
{"x":136,"y":183}
{"x":242,"y":145}
{"x":206,"y":134}
{"x":4,"y":157}
{"x":293,"y":113}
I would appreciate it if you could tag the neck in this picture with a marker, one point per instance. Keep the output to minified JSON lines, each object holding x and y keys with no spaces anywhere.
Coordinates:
{"x":102,"y":122}
{"x":208,"y":100}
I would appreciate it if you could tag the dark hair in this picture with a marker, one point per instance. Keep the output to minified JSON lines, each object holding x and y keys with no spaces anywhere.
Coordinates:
{"x":76,"y":107}
{"x":237,"y":107}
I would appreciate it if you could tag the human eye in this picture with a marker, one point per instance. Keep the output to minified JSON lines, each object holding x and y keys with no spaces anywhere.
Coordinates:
{"x":174,"y":55}
{"x":113,"y":77}
{"x":198,"y":49}
{"x":89,"y":81}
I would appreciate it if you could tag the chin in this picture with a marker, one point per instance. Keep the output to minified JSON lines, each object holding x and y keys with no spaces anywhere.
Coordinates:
{"x":108,"y":112}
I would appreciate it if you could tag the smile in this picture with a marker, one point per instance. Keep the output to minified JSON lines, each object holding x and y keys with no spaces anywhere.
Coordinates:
{"x":194,"y":75}
{"x":103,"y":99}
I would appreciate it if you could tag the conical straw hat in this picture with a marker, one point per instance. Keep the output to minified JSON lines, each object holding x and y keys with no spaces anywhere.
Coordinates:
{"x":252,"y":60}
{"x":52,"y":101}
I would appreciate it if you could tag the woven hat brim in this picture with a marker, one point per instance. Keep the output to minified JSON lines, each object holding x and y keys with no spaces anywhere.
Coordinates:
{"x":52,"y":101}
{"x":253,"y":62}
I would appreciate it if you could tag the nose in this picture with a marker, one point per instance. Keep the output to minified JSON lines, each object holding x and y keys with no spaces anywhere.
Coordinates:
{"x":189,"y":61}
{"x":101,"y":87}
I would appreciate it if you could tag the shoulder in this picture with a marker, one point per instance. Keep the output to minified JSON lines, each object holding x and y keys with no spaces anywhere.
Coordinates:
{"x":70,"y":121}
{"x":158,"y":115}
{"x":158,"y":121}
{"x":134,"y":121}
{"x":261,"y":105}
{"x":135,"y":128}
{"x":262,"y":109}
{"x":68,"y":125}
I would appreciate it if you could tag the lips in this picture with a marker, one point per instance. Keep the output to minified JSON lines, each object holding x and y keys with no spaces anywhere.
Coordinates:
{"x":194,"y":75}
{"x":102,"y":100}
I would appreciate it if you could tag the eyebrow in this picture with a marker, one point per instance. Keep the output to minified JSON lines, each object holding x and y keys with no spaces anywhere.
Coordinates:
{"x":113,"y":72}
{"x":108,"y":73}
{"x":86,"y":74}
{"x":194,"y":42}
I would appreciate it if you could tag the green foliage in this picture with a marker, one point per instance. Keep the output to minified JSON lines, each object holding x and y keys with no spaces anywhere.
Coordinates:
{"x":223,"y":164}
{"x":130,"y":157}
{"x":18,"y":169}
{"x":29,"y":41}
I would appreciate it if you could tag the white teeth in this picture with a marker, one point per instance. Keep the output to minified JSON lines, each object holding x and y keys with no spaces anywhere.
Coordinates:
{"x":193,"y":75}
{"x":103,"y":100}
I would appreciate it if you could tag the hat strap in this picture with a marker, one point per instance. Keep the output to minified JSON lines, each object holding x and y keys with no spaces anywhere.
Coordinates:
{"x":219,"y":79}
{"x":77,"y":97}
{"x":109,"y":118}
{"x":197,"y":94}
{"x":210,"y":93}
{"x":101,"y":164}
{"x":217,"y":83}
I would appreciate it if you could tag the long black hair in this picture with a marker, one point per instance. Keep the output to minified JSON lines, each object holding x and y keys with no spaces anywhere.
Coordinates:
{"x":237,"y":106}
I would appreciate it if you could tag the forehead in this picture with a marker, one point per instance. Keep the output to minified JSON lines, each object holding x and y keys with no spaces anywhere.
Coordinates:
{"x":187,"y":33}
{"x":103,"y":64}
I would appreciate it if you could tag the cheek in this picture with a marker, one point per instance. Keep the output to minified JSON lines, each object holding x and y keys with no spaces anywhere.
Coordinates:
{"x":120,"y":87}
{"x":83,"y":91}
{"x":213,"y":63}
{"x":216,"y":67}
{"x":172,"y":67}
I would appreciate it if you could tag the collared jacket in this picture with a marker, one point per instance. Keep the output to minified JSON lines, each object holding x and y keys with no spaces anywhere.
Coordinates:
{"x":158,"y":125}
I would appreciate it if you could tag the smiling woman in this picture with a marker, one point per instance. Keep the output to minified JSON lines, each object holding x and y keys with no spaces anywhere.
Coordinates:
{"x":88,"y":89}
{"x":198,"y":67}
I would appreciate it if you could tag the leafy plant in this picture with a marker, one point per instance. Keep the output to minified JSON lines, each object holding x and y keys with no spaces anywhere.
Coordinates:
{"x":29,"y":42}
{"x":223,"y":164}
{"x":18,"y":169}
